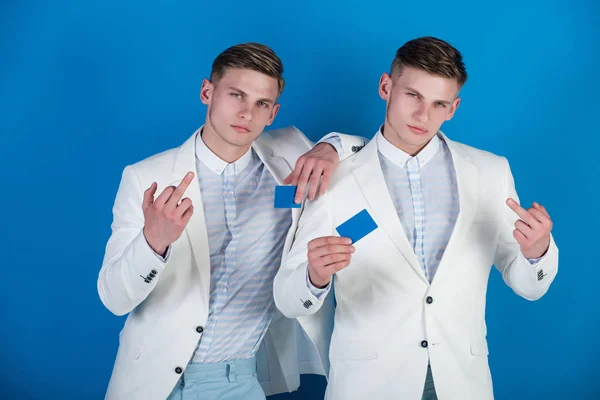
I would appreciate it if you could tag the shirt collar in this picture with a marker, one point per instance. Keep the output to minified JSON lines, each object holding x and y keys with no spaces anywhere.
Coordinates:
{"x":399,"y":157}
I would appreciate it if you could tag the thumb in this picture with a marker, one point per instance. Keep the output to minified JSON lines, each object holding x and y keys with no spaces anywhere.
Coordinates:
{"x":149,"y":196}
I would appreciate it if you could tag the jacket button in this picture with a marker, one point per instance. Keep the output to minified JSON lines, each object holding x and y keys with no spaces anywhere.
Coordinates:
{"x":424,"y":343}
{"x":199,"y":329}
{"x":178,"y":370}
{"x":429,"y":299}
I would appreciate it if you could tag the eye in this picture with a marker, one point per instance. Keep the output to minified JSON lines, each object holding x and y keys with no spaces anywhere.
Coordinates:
{"x":236,"y":95}
{"x":263,"y":104}
{"x":439,"y":104}
{"x":411,"y":94}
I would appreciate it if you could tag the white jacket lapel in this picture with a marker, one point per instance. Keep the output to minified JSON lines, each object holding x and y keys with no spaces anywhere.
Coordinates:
{"x":467,"y":180}
{"x":196,"y":227}
{"x":372,"y":183}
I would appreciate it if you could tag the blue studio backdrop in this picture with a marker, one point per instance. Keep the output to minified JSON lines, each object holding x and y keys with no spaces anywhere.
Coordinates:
{"x":87,"y":87}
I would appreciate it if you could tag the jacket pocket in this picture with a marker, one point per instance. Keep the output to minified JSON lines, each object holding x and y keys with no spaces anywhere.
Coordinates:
{"x":479,"y":345}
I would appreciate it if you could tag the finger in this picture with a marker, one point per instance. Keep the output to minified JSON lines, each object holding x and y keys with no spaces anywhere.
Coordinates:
{"x":539,"y":216}
{"x":541,"y":208}
{"x":338,"y":266}
{"x":183,"y":206}
{"x":521,"y":212}
{"x":524,"y":228}
{"x":180,"y":190}
{"x":292,"y":178}
{"x":322,"y":262}
{"x":149,"y":196}
{"x":315,"y":176}
{"x":325,"y":240}
{"x":303,"y":180}
{"x":521,"y":239}
{"x":187,"y":215}
{"x":164,"y":196}
{"x":544,"y":219}
{"x":325,"y":181}
{"x":332,"y":249}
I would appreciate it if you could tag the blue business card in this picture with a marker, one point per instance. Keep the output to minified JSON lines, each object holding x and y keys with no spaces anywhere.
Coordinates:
{"x":284,"y":197}
{"x":357,"y":227}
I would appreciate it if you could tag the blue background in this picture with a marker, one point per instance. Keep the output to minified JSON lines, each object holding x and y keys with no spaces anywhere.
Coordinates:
{"x":87,"y":87}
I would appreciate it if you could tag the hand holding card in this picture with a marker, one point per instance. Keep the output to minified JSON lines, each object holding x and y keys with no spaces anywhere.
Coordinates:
{"x":330,"y":254}
{"x":326,"y":256}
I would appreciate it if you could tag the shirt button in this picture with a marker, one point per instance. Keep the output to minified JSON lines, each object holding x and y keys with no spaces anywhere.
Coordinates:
{"x":178,"y":370}
{"x":429,"y":299}
{"x":199,"y":329}
{"x":424,"y":343}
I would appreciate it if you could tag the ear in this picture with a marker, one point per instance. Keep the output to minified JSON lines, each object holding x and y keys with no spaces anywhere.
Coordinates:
{"x":453,"y":108}
{"x":385,"y":86}
{"x":206,"y":91}
{"x":274,"y":112}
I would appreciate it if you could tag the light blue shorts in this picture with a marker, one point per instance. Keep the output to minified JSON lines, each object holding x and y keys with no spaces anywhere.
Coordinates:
{"x":231,"y":380}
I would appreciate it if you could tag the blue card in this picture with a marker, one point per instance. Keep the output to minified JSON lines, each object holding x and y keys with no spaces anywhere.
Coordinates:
{"x":284,"y":197}
{"x":357,"y":227}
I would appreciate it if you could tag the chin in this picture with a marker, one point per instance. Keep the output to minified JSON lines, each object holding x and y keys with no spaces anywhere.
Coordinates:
{"x":240,"y":141}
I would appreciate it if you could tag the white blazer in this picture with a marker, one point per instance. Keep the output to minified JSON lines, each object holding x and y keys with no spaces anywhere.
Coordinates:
{"x":168,"y":303}
{"x":389,"y":321}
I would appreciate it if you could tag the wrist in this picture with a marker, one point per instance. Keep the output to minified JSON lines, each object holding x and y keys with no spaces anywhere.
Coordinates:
{"x":159,"y":249}
{"x":327,"y":144}
{"x":317,"y":283}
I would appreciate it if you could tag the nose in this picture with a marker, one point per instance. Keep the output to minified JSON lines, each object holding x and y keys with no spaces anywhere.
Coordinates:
{"x":246,"y":113}
{"x":421,"y":113}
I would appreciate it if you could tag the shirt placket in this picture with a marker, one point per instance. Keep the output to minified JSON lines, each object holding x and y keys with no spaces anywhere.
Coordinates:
{"x":231,"y":220}
{"x":416,"y":191}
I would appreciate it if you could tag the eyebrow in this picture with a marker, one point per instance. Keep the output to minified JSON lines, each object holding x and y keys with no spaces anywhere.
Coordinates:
{"x":266,"y":100}
{"x":420,"y":95}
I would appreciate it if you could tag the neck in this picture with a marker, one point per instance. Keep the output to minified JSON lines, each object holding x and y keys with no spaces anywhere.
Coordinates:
{"x":392,"y":136}
{"x":225,"y":151}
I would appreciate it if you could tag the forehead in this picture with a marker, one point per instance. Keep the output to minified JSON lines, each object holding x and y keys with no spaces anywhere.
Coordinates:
{"x":431,"y":86}
{"x":252,"y":82}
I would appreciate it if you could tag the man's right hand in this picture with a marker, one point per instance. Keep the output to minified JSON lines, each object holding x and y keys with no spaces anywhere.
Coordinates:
{"x":326,"y":256}
{"x":166,"y":218}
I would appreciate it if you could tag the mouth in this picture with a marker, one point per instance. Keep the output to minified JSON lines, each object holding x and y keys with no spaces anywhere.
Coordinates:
{"x":240,"y":129}
{"x":417,"y":130}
